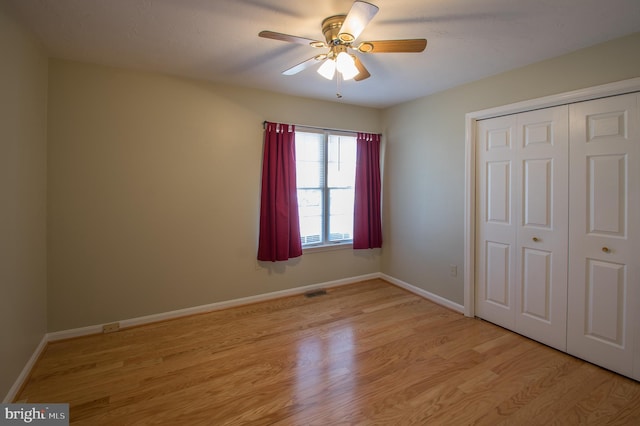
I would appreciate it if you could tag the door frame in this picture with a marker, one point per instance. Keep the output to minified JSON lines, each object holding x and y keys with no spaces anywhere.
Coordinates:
{"x":590,"y":93}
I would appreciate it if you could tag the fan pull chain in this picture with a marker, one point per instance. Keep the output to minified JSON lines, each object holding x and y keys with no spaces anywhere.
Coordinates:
{"x":338,"y":85}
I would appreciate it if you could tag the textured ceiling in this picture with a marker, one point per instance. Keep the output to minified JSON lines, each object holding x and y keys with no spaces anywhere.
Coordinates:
{"x":217,"y":40}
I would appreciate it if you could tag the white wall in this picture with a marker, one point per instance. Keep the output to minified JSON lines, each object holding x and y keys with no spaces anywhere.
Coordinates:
{"x":424,"y":164}
{"x":23,"y":162}
{"x":154,"y":193}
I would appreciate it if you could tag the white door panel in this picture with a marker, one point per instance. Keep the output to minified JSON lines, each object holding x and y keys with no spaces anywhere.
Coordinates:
{"x":606,"y":287}
{"x":522,"y":223}
{"x":498,"y":192}
{"x":607,"y":186}
{"x":498,"y":273}
{"x":536,"y":284}
{"x":604,"y":277}
{"x":541,"y":293}
{"x":495,"y":213}
{"x":537,"y":193}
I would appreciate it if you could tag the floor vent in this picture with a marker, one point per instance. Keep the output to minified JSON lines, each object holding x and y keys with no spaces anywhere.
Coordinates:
{"x":315,"y":293}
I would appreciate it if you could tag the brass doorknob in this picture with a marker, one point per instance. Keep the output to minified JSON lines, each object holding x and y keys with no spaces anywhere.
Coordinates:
{"x":536,"y":239}
{"x":606,"y":249}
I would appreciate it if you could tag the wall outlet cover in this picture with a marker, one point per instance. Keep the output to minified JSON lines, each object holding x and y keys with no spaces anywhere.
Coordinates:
{"x":110,"y":328}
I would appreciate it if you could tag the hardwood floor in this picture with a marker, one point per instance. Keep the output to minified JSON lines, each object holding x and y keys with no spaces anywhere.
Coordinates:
{"x":364,"y":354}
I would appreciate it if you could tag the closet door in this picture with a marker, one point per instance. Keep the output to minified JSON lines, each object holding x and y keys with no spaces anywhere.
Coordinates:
{"x":522,"y":223}
{"x":604,"y":276}
{"x":542,"y":228}
{"x":496,"y":221}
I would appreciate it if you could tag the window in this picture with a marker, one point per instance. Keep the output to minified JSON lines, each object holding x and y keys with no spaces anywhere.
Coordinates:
{"x":325,"y":171}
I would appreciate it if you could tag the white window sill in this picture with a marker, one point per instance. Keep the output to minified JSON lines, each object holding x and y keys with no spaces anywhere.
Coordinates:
{"x":327,"y":247}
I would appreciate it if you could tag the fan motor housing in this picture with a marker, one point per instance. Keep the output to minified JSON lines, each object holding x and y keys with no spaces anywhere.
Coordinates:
{"x":331,"y":27}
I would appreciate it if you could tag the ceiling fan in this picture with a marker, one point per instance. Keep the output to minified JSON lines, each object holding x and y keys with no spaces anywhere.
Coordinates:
{"x":341,"y":32}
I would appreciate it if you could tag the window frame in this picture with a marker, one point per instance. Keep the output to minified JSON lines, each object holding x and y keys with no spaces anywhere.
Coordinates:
{"x":326,"y":244}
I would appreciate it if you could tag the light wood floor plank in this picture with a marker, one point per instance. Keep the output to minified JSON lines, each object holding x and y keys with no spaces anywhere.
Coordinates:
{"x":367,"y":354}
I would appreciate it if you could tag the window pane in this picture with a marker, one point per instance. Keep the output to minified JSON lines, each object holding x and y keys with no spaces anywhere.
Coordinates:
{"x":325,"y":202}
{"x":310,"y":212}
{"x":341,"y":162}
{"x":341,"y":214}
{"x":309,"y":160}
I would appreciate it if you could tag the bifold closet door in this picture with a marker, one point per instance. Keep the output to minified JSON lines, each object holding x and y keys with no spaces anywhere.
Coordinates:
{"x":604,"y":264}
{"x":542,"y":227}
{"x":522,"y":210}
{"x":496,"y":221}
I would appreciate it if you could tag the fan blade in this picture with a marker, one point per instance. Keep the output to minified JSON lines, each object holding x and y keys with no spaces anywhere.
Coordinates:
{"x":304,"y":65}
{"x":292,"y":39}
{"x":391,"y":46}
{"x":364,"y":73}
{"x":359,"y":16}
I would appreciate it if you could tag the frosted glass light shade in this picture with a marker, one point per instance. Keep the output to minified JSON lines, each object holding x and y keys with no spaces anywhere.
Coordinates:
{"x":327,"y":69}
{"x":346,"y":65}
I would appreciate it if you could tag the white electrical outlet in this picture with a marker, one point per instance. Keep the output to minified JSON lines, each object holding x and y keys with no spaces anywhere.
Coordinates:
{"x":110,"y":328}
{"x":453,"y":270}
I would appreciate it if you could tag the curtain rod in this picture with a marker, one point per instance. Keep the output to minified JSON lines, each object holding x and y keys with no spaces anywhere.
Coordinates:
{"x":304,"y":126}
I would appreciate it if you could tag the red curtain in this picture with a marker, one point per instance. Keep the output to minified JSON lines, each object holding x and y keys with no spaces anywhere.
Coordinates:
{"x":279,"y":223}
{"x":367,"y":224}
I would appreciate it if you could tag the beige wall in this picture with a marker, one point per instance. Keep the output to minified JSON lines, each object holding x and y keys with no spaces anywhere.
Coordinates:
{"x":23,"y":163}
{"x":424,"y":164}
{"x":154,"y":191}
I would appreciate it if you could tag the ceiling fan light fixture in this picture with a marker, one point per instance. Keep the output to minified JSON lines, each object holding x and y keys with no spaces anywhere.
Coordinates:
{"x":346,"y":65}
{"x":341,"y":32}
{"x":327,"y":69}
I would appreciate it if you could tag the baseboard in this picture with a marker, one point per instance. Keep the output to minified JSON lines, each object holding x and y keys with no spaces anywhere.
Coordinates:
{"x":24,"y":374}
{"x":242,"y":301}
{"x":423,"y":293}
{"x":95,"y":329}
